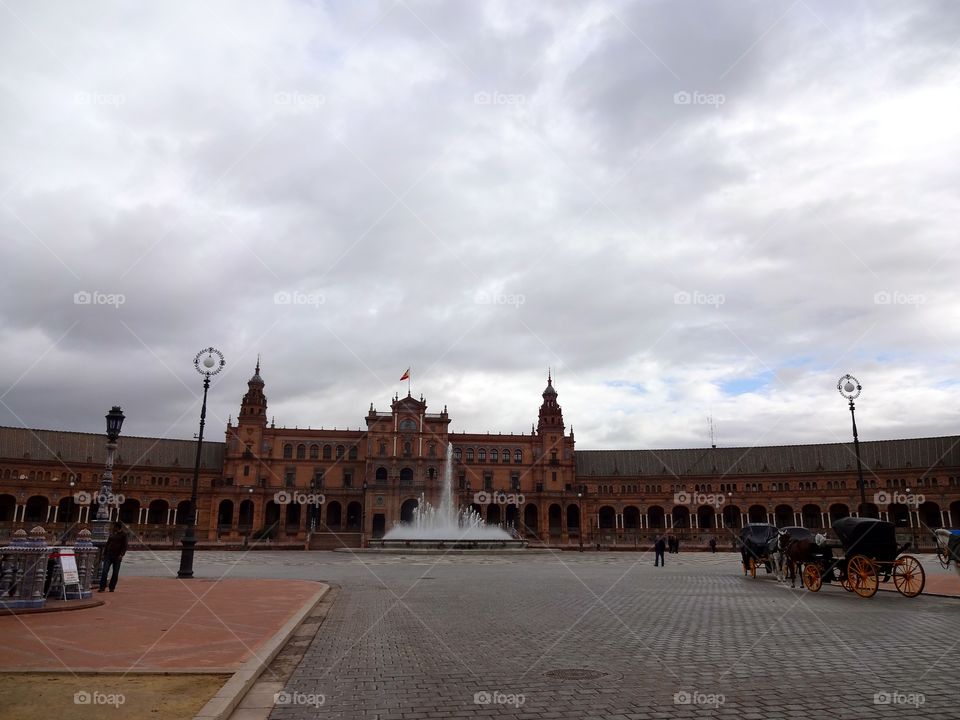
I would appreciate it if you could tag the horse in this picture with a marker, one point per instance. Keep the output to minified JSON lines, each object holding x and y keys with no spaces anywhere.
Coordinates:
{"x":795,"y":546}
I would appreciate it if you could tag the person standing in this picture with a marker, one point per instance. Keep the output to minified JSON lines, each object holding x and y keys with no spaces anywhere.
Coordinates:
{"x":658,"y":549}
{"x":713,"y":545}
{"x":113,"y":553}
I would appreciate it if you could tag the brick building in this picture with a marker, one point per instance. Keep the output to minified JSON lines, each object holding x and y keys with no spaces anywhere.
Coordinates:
{"x":334,"y":488}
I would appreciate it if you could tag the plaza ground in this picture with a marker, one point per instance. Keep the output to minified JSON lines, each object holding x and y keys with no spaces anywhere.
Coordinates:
{"x":600,"y":635}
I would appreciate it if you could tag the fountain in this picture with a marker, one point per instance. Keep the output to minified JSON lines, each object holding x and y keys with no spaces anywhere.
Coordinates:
{"x":447,"y":527}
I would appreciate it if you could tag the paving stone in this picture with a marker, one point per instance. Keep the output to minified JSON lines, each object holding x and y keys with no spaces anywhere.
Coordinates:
{"x":693,"y":640}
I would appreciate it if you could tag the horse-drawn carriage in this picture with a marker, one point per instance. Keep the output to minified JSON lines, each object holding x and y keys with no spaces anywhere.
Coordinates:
{"x":757,"y":541}
{"x":871,"y":555}
{"x":948,"y":548}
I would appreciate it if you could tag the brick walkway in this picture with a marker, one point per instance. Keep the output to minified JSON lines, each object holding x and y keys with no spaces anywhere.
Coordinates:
{"x":156,"y":624}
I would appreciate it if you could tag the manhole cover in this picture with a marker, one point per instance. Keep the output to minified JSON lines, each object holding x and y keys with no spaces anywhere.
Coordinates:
{"x":575,"y":674}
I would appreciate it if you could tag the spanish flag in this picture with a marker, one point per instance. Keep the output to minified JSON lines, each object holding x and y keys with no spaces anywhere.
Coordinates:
{"x":406,"y":375}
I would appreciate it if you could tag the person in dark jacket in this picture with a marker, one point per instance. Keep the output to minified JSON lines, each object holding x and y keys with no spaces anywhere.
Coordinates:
{"x":658,"y":549}
{"x":713,"y":545}
{"x":113,"y":553}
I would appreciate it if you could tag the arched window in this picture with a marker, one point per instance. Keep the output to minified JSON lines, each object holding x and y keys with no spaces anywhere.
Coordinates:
{"x":482,"y":455}
{"x":407,"y":448}
{"x":457,"y":454}
{"x":431,"y":449}
{"x":327,"y":452}
{"x":340,"y":451}
{"x":353,"y":452}
{"x":494,"y":455}
{"x":381,"y":475}
{"x":518,"y":456}
{"x":301,"y":452}
{"x":383,"y":449}
{"x":314,"y":452}
{"x":469,"y":455}
{"x":287,"y":451}
{"x":506,"y":455}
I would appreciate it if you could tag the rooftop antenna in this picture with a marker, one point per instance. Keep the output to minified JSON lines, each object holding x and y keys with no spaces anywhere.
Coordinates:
{"x":713,"y":434}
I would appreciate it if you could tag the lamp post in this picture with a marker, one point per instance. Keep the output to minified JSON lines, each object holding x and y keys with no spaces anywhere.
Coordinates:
{"x":580,"y":518}
{"x":850,"y":388}
{"x":101,"y":523}
{"x":208,"y":367}
{"x":363,"y":514}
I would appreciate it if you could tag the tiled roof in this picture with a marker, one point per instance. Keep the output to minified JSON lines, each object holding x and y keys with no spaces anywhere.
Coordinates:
{"x":917,"y":453}
{"x":75,"y":447}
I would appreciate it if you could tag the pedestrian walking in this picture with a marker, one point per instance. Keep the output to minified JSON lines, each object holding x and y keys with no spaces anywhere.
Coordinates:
{"x":113,"y":553}
{"x":658,"y":549}
{"x":713,"y":545}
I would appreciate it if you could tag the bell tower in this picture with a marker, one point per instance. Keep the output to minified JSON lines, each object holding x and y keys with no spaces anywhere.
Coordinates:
{"x":551,"y":415}
{"x":253,"y":407}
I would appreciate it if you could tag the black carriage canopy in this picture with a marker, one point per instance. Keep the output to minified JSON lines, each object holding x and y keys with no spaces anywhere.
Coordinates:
{"x":795,"y":532}
{"x":758,"y":535}
{"x":877,"y":539}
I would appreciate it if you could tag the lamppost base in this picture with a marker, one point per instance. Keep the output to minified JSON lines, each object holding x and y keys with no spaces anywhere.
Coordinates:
{"x":186,"y":559}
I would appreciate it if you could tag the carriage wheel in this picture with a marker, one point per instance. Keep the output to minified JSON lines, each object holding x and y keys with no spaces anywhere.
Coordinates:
{"x":812,"y":579}
{"x":753,"y":567}
{"x":845,"y":584}
{"x":908,"y":576}
{"x":862,"y":576}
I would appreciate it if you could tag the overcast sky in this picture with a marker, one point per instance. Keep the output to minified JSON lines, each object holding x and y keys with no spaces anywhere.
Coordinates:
{"x":684,"y":208}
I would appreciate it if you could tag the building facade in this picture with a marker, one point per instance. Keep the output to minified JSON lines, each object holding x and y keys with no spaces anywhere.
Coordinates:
{"x":324,"y":488}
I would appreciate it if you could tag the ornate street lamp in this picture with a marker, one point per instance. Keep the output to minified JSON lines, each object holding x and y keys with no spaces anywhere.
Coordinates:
{"x":850,"y":388}
{"x":208,"y":367}
{"x":101,"y":523}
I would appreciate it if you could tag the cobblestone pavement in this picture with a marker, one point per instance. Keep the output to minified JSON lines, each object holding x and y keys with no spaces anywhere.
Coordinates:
{"x":593,"y":635}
